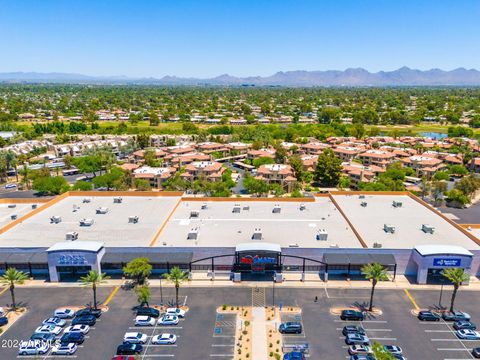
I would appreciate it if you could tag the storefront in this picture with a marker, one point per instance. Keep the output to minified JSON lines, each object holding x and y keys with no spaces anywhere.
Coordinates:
{"x":257,"y":258}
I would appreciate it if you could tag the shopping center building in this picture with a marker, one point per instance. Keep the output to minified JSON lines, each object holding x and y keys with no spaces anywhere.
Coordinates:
{"x":332,"y":235}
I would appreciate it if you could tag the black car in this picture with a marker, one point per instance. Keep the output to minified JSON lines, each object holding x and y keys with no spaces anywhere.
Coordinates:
{"x":3,"y":320}
{"x":290,"y":327}
{"x":353,"y":329}
{"x":427,"y":315}
{"x":43,"y":337}
{"x":455,"y":316}
{"x":89,"y":311}
{"x":352,"y":315}
{"x":72,"y":337}
{"x":148,"y":311}
{"x":89,"y":320}
{"x":476,"y":352}
{"x":129,"y":349}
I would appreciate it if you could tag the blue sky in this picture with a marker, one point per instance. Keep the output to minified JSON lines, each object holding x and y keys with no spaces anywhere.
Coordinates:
{"x":204,"y":38}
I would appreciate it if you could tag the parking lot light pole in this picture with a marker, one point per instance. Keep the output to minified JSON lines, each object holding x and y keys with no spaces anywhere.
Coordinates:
{"x":273,"y":292}
{"x":440,"y":299}
{"x":161,"y":291}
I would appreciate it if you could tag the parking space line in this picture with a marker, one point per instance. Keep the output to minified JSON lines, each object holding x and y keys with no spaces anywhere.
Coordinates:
{"x":112,"y":294}
{"x":412,"y":299}
{"x":3,"y":290}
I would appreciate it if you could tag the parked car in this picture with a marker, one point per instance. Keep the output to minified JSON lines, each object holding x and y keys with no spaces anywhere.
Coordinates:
{"x":467,"y":334}
{"x":362,"y":357}
{"x":176,"y":311}
{"x":357,"y":339}
{"x":459,"y":325}
{"x":164,"y":339}
{"x":64,"y":349}
{"x":392,"y":349}
{"x":148,"y":311}
{"x":353,"y":329}
{"x":49,"y":329}
{"x":129,"y":349}
{"x":456,"y":316}
{"x":89,"y":320}
{"x":135,"y":338}
{"x":72,"y":337}
{"x":89,"y":311}
{"x":144,"y":321}
{"x":294,"y":355}
{"x":33,"y":347}
{"x":476,"y":352}
{"x":122,"y":357}
{"x":351,"y":315}
{"x":290,"y":327}
{"x":427,"y":315}
{"x":45,"y":337}
{"x":10,"y":186}
{"x":168,"y":319}
{"x":55,"y":321}
{"x":3,"y":320}
{"x":84,"y":329}
{"x":359,"y":349}
{"x":64,"y":313}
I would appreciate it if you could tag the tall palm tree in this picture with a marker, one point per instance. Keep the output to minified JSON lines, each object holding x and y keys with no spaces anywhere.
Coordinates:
{"x":176,"y":276}
{"x":94,"y":278}
{"x":457,"y":276}
{"x":375,"y":272}
{"x":11,"y":278}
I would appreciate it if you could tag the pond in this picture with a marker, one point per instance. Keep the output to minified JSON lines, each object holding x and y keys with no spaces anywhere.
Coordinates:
{"x":434,"y":135}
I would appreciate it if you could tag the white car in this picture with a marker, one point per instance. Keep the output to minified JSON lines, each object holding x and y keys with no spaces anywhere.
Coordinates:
{"x":84,"y":329}
{"x":33,"y":347}
{"x":142,"y":320}
{"x":135,"y":338}
{"x":164,"y":339}
{"x":48,"y":329}
{"x":168,"y":319}
{"x":64,"y":349}
{"x":468,"y":334}
{"x":55,"y":321}
{"x":176,"y":311}
{"x":64,"y":313}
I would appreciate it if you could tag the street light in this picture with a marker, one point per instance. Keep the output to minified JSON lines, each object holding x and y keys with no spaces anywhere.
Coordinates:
{"x":273,"y":291}
{"x":441,"y":293}
{"x":161,"y":291}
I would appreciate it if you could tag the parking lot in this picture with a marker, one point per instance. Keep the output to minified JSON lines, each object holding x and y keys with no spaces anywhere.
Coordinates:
{"x":223,"y":345}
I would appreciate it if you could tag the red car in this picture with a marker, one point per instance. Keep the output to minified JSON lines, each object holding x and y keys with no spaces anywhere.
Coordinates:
{"x":123,"y":357}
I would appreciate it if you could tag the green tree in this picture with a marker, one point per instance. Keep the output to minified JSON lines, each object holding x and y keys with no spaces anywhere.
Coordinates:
{"x":177,"y":277}
{"x":82,"y":186}
{"x":139,"y":268}
{"x":50,"y":185}
{"x":264,"y":160}
{"x":380,"y":353}
{"x":93,"y":279}
{"x":114,"y":179}
{"x":328,"y":169}
{"x":374,"y":272}
{"x":344,"y":182}
{"x":88,"y":164}
{"x":142,"y":185}
{"x":458,"y":170}
{"x":296,"y":163}
{"x":143,"y":295}
{"x":13,"y":277}
{"x":456,"y":276}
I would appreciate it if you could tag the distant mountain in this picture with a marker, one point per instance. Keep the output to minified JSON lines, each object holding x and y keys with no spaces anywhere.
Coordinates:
{"x":349,"y":77}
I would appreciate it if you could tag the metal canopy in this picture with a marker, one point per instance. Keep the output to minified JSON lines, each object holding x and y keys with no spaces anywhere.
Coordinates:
{"x":183,"y":257}
{"x":358,"y":259}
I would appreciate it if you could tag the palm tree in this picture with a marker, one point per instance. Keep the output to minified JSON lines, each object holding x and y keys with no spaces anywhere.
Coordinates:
{"x":457,"y":276}
{"x":176,"y":276}
{"x":375,"y":272}
{"x":11,"y":278}
{"x":143,"y":295}
{"x":94,"y":278}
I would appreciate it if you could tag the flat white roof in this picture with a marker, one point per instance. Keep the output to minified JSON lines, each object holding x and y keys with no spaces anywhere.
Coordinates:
{"x":92,"y":246}
{"x":435,"y":249}
{"x":258,"y":247}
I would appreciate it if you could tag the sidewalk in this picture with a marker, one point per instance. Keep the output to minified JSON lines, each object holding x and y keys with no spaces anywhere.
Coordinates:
{"x":259,"y":331}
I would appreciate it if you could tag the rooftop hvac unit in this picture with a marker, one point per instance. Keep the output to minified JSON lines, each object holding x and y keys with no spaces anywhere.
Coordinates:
{"x":322,"y":235}
{"x":204,"y":206}
{"x":428,"y":228}
{"x":257,"y":234}
{"x":193,"y":234}
{"x":133,"y":219}
{"x":86,"y":201}
{"x":302,"y":207}
{"x":72,"y":235}
{"x":389,"y":228}
{"x":377,"y":245}
{"x":293,"y":245}
{"x":12,"y":206}
{"x":102,"y":210}
{"x":363,"y":204}
{"x":334,"y":245}
{"x":86,"y":222}
{"x":236,"y":209}
{"x":75,"y":208}
{"x":397,"y":204}
{"x":55,"y":219}
{"x":194,"y":214}
{"x":276,"y":209}
{"x":14,"y":217}
{"x":117,"y":200}
{"x":361,"y":196}
{"x":246,"y":208}
{"x":34,"y":206}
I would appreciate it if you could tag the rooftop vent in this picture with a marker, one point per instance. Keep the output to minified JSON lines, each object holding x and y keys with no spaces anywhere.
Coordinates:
{"x":334,"y":245}
{"x":236,"y":209}
{"x":363,"y":204}
{"x":72,"y":235}
{"x":397,"y":204}
{"x":246,"y":207}
{"x":75,"y":208}
{"x":86,"y":222}
{"x":257,"y":234}
{"x":276,"y":209}
{"x":86,"y":201}
{"x":293,"y":245}
{"x":12,"y":206}
{"x":14,"y":217}
{"x":389,"y":228}
{"x":55,"y":219}
{"x":133,"y":219}
{"x":322,"y":235}
{"x":377,"y":245}
{"x":193,"y":234}
{"x":361,"y":196}
{"x":117,"y":200}
{"x":102,"y":210}
{"x":194,"y":214}
{"x":34,"y":206}
{"x":302,"y":207}
{"x":204,"y":206}
{"x":428,"y":228}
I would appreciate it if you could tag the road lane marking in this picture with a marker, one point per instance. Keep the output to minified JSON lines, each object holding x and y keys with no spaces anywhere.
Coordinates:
{"x":412,"y":300}
{"x":112,"y":294}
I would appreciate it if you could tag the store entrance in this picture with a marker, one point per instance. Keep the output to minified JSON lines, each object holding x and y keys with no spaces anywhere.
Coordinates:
{"x":72,"y":273}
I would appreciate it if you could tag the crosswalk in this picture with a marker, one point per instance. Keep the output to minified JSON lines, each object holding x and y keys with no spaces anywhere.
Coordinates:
{"x":258,"y":297}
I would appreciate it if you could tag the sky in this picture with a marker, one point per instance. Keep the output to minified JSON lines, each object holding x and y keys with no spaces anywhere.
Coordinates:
{"x":206,"y":38}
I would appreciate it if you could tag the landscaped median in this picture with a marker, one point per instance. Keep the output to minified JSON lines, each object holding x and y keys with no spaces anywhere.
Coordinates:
{"x":243,"y":330}
{"x":274,"y":338}
{"x":12,"y":316}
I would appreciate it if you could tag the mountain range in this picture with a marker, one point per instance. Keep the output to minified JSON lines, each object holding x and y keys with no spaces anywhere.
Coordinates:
{"x":352,"y":77}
